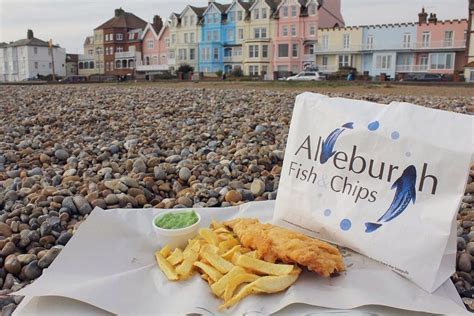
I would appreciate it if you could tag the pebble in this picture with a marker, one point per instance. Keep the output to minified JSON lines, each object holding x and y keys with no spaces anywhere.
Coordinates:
{"x":233,"y":196}
{"x":464,"y":262}
{"x":32,"y":271}
{"x":49,"y":257}
{"x":61,"y":154}
{"x":5,"y":230}
{"x":184,"y":174}
{"x":12,"y":264}
{"x":257,"y":187}
{"x":83,"y":207}
{"x":139,"y":166}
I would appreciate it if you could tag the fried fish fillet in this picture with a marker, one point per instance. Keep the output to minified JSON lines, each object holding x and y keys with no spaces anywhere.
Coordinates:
{"x":276,"y":243}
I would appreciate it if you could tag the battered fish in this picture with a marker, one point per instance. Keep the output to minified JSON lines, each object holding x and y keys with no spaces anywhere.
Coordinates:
{"x":276,"y":243}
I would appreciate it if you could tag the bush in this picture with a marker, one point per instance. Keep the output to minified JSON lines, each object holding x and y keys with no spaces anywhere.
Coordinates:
{"x":219,"y":73}
{"x":185,"y":68}
{"x":165,"y":75}
{"x":237,"y":72}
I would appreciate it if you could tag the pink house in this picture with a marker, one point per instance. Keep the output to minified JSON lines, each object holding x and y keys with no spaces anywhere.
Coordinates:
{"x":297,"y":23}
{"x":155,"y":46}
{"x":441,"y":45}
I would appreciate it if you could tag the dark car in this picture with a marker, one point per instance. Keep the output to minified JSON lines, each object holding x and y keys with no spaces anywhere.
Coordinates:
{"x":427,"y":77}
{"x":73,"y":79}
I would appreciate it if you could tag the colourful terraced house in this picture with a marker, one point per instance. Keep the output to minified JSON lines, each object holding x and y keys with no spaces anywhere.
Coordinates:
{"x":295,"y":36}
{"x":214,"y":32}
{"x":395,"y":50}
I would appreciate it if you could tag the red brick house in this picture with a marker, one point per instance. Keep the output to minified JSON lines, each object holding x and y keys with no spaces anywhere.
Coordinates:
{"x":122,"y":46}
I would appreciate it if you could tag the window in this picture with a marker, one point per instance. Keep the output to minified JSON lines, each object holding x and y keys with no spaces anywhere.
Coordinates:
{"x":150,"y":44}
{"x":256,"y":14}
{"x":344,"y":60}
{"x":265,"y":69}
{"x":284,"y":31}
{"x":215,"y":36}
{"x":119,"y":36}
{"x":91,"y":52}
{"x":293,"y":30}
{"x":311,"y":49}
{"x":167,"y":42}
{"x":448,"y":38}
{"x":185,"y":21}
{"x":35,"y":49}
{"x":191,"y":20}
{"x":442,"y":61}
{"x":253,"y":70}
{"x":471,"y":76}
{"x":185,"y":37}
{"x":131,"y":36}
{"x":191,"y":37}
{"x":282,"y":50}
{"x":192,"y":54}
{"x":147,"y":60}
{"x":370,"y":42}
{"x":325,"y":61}
{"x":241,"y":33}
{"x":260,"y":32}
{"x":239,"y":15}
{"x":182,"y":54}
{"x":208,"y":36}
{"x":118,"y":64}
{"x":171,"y":54}
{"x":264,"y":13}
{"x":312,"y":30}
{"x":231,"y":16}
{"x":312,"y":9}
{"x":325,"y":41}
{"x":264,"y":51}
{"x":293,"y":10}
{"x":406,"y":40}
{"x":36,"y":64}
{"x":173,"y":38}
{"x":216,"y":53}
{"x":119,"y":49}
{"x":346,"y":40}
{"x":237,"y":51}
{"x":424,"y":62}
{"x":383,"y":62}
{"x":253,"y":51}
{"x":203,"y":54}
{"x":294,"y":50}
{"x":230,"y":35}
{"x":285,"y":11}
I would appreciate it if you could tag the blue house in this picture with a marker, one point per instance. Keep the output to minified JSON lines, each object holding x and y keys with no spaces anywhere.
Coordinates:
{"x":211,"y":47}
{"x":388,"y":48}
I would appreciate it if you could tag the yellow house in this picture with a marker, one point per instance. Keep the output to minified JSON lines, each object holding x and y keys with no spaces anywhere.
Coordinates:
{"x":339,"y":47}
{"x":87,"y":61}
{"x":184,"y":37}
{"x":257,"y":48}
{"x":99,"y":51}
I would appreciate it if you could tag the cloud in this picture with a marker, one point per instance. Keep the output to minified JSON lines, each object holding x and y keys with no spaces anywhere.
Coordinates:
{"x":68,"y":22}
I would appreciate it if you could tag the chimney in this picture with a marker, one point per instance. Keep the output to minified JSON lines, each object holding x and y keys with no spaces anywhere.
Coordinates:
{"x":119,"y":12}
{"x":422,"y":17}
{"x":29,"y":34}
{"x":433,"y":18}
{"x":157,"y":23}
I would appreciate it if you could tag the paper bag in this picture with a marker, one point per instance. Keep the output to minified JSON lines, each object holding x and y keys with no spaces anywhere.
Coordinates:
{"x":385,"y":181}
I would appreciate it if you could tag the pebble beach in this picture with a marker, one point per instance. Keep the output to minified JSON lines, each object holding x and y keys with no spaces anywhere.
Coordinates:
{"x":65,"y":150}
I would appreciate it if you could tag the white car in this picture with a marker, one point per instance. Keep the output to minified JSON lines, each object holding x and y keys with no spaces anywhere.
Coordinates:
{"x":306,"y":76}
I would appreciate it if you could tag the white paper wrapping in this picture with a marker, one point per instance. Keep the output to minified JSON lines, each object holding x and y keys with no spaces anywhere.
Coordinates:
{"x":109,"y":263}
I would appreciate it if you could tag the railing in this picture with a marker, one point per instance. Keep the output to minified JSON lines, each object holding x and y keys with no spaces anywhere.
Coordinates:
{"x":232,"y":58}
{"x":417,"y":45}
{"x":309,"y":57}
{"x":327,"y":68}
{"x":152,"y":67}
{"x":412,"y":68}
{"x":128,"y":54}
{"x":336,"y":48}
{"x":86,"y":57}
{"x":441,"y":44}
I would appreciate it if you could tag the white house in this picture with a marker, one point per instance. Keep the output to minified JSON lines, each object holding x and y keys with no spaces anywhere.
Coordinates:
{"x":30,"y":57}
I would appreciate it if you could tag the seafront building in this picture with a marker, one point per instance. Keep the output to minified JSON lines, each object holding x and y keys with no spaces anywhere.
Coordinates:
{"x":274,"y":38}
{"x":395,"y":50}
{"x":29,"y":58}
{"x":469,"y":69}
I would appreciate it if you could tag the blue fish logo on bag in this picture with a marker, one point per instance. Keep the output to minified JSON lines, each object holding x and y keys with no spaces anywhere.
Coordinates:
{"x":405,"y":193}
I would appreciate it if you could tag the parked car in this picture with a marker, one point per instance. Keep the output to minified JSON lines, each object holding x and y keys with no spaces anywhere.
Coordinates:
{"x":306,"y":76}
{"x":427,"y":77}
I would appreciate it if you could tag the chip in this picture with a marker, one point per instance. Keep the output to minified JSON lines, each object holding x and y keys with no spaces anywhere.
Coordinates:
{"x":175,"y":257}
{"x":209,"y":236}
{"x":244,"y":292}
{"x":263,"y":266}
{"x":215,"y":260}
{"x":166,"y":267}
{"x":210,"y":271}
{"x":165,"y":251}
{"x":218,"y":288}
{"x":185,"y":269}
{"x":236,"y":281}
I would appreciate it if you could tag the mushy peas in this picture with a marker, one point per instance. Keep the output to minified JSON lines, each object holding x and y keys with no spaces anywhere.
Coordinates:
{"x":177,"y":220}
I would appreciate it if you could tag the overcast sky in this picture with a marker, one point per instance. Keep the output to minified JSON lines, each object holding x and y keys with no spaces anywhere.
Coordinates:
{"x":68,"y":22}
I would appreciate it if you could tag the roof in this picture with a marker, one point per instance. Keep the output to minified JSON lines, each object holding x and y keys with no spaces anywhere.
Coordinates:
{"x":3,"y":44}
{"x":123,"y":20}
{"x":222,"y":7}
{"x":198,"y":10}
{"x":72,"y":58}
{"x":30,"y":42}
{"x":244,"y":4}
{"x":89,"y":40}
{"x":273,"y":3}
{"x":470,"y":65}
